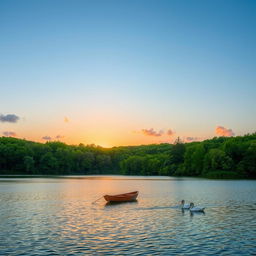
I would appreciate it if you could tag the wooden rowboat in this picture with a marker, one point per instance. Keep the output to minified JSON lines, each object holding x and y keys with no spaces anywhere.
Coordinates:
{"x":126,"y":197}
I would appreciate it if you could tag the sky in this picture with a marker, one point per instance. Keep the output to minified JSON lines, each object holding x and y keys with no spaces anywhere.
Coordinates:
{"x":127,"y":72}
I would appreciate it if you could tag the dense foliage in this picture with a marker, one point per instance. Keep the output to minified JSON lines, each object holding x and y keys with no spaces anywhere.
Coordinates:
{"x":221,"y":157}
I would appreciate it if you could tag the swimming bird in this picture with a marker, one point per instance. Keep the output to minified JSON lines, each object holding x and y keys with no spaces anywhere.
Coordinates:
{"x":194,"y":208}
{"x":184,"y":206}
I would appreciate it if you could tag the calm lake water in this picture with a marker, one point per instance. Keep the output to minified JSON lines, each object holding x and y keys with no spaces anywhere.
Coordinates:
{"x":55,"y":216}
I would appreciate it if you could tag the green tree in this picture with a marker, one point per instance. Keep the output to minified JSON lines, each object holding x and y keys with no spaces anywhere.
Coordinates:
{"x":177,"y":152}
{"x":216,"y":160}
{"x":48,"y":164}
{"x":103,"y":163}
{"x":248,"y":165}
{"x":29,"y":164}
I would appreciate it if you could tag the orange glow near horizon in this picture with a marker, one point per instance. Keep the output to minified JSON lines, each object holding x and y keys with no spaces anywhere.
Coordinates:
{"x":107,"y":131}
{"x":106,"y":139}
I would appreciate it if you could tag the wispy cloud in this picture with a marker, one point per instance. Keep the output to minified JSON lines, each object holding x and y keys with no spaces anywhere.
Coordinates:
{"x":10,"y":118}
{"x":170,"y":132}
{"x":192,"y":139}
{"x":222,"y":131}
{"x":152,"y":132}
{"x":48,"y":138}
{"x":66,"y":119}
{"x":189,"y":139}
{"x":9,"y":134}
{"x":164,"y":141}
{"x":59,"y":137}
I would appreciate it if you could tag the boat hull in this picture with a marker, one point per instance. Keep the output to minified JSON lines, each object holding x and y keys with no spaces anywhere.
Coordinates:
{"x":127,"y":197}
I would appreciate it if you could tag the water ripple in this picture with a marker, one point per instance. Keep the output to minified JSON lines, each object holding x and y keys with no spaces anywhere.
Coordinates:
{"x":57,"y":218}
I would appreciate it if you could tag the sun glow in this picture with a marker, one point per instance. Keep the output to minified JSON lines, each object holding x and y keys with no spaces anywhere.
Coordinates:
{"x":104,"y":145}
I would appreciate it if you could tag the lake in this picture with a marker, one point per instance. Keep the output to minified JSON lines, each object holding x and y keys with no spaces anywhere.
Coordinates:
{"x":55,"y":216}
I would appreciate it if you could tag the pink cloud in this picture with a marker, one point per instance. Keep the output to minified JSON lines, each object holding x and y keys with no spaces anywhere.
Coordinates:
{"x":48,"y":138}
{"x":191,"y":139}
{"x":222,"y":131}
{"x":152,"y":132}
{"x":59,"y":137}
{"x":9,"y":134}
{"x":170,"y":132}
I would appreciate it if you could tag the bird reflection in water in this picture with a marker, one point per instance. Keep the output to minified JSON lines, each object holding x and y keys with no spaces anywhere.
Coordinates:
{"x":196,"y":213}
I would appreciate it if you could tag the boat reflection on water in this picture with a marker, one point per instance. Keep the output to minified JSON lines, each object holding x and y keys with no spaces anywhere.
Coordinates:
{"x":112,"y":204}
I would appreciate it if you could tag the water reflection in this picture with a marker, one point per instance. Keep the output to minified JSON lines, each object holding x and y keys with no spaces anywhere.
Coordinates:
{"x":56,"y":216}
{"x":196,"y":213}
{"x":111,"y":204}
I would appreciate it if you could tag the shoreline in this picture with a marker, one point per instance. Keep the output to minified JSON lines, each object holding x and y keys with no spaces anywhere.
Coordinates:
{"x":115,"y":177}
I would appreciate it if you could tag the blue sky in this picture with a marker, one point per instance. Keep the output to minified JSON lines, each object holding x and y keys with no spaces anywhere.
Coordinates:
{"x":117,"y":67}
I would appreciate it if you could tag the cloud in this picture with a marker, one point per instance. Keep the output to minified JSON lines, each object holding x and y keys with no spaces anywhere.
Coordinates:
{"x":222,"y":131}
{"x":47,"y":138}
{"x":164,"y":141}
{"x":10,"y":118}
{"x":9,"y":134}
{"x":170,"y":132}
{"x":191,"y":139}
{"x":59,"y":137}
{"x":66,"y":120}
{"x":152,"y":132}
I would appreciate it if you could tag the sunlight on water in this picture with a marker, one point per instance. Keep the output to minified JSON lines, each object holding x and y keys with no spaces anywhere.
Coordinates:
{"x":46,"y":216}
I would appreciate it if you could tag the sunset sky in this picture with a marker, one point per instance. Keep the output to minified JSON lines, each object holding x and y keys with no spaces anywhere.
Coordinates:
{"x":127,"y":72}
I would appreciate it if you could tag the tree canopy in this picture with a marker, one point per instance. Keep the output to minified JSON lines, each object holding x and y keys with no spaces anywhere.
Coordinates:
{"x":222,"y":157}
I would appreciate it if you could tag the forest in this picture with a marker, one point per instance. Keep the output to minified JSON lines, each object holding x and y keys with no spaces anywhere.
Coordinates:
{"x":220,"y":157}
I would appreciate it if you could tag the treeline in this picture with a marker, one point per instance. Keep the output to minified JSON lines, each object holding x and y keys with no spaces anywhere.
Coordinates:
{"x":221,"y":157}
